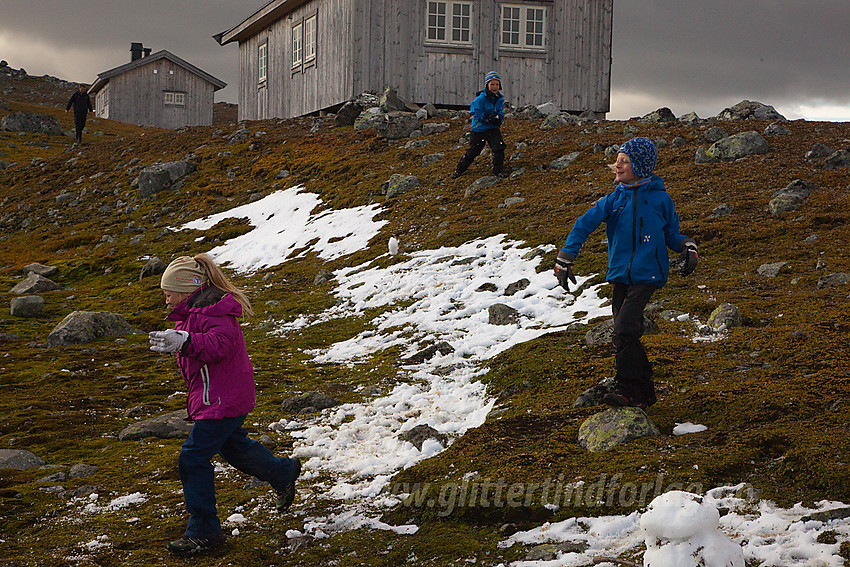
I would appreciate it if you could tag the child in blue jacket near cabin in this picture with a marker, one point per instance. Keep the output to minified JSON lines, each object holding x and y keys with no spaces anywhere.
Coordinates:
{"x":641,"y":224}
{"x":488,"y":111}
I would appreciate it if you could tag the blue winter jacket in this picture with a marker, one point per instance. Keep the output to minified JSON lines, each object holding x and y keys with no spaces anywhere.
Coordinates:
{"x":486,"y":103}
{"x":641,"y":224}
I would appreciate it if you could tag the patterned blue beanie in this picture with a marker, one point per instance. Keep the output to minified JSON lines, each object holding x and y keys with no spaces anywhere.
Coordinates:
{"x":642,"y":154}
{"x":492,"y":76}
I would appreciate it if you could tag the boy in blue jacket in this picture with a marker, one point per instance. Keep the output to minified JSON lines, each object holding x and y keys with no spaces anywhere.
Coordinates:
{"x":488,"y":111}
{"x":641,"y":224}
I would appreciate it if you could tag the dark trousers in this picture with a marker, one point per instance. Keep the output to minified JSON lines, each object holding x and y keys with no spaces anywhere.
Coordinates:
{"x":228,"y":438}
{"x":634,"y":371}
{"x":476,"y":144}
{"x":79,"y":125}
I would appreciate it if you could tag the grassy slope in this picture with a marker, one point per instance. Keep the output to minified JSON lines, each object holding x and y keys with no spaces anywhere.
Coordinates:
{"x":775,"y":405}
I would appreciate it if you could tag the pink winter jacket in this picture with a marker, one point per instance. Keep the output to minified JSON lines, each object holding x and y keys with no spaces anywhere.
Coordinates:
{"x":214,"y":363}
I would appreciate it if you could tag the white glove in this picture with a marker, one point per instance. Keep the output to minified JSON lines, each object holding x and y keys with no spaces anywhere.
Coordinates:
{"x":167,"y":341}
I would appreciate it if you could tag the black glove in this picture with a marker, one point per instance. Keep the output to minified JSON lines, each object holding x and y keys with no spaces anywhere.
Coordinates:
{"x":492,"y":119}
{"x":689,"y":258}
{"x":564,"y":269}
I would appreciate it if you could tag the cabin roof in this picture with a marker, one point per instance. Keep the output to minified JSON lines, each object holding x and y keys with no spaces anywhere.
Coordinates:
{"x":268,"y":14}
{"x":103,"y":78}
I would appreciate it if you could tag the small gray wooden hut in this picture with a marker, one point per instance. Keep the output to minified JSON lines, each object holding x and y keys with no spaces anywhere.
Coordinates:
{"x":298,"y":57}
{"x":158,"y":89}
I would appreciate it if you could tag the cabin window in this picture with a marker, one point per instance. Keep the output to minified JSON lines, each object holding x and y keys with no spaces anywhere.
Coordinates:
{"x":449,"y":23}
{"x":175,"y":99}
{"x":523,"y":27}
{"x":310,"y":39}
{"x":297,"y":45}
{"x":262,"y":62}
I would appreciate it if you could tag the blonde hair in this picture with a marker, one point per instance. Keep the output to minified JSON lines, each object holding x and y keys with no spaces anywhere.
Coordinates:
{"x":217,"y":278}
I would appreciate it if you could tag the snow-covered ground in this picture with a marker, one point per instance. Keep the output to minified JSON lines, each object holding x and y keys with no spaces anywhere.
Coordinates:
{"x":351,"y":452}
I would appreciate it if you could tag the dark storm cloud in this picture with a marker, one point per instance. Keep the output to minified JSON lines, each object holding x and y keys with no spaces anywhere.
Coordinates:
{"x":685,"y":54}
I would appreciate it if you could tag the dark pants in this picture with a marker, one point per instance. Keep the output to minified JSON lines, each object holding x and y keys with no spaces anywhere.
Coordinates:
{"x":228,"y":438}
{"x":476,"y":144}
{"x":634,"y":371}
{"x":79,"y":124}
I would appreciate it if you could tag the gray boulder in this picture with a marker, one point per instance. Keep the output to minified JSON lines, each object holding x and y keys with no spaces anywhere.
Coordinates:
{"x":392,"y":125}
{"x":481,"y":183}
{"x":776,"y":129}
{"x":517,"y":286}
{"x":34,"y":123}
{"x":714,"y":134}
{"x":81,"y":470}
{"x":435,"y":128}
{"x":722,"y":210}
{"x":41,"y":269}
{"x":432,"y":159}
{"x":27,"y":306}
{"x":398,"y":184}
{"x":725,"y":316}
{"x":841,"y":158}
{"x":549,"y":108}
{"x":19,"y":459}
{"x":35,"y":283}
{"x":239,"y":135}
{"x":703,"y":157}
{"x":173,"y":425}
{"x":308,"y":403}
{"x":82,"y":327}
{"x":738,"y":146}
{"x":421,"y":433}
{"x":501,"y":314}
{"x":819,"y":151}
{"x":750,"y":110}
{"x":833,"y":280}
{"x":153,"y":267}
{"x":391,"y":101}
{"x":771,"y":270}
{"x":661,"y":116}
{"x":160,"y":176}
{"x":564,"y":161}
{"x":322,"y":276}
{"x":428,"y":353}
{"x":528,"y":112}
{"x":556,"y":120}
{"x":612,"y":427}
{"x":603,"y":333}
{"x":790,"y":198}
{"x":690,"y":118}
{"x":347,"y":115}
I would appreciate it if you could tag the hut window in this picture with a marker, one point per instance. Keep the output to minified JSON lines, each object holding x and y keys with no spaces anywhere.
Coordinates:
{"x":175,"y":99}
{"x":297,"y":45}
{"x":449,"y":23}
{"x":262,"y":62}
{"x":310,"y":39}
{"x":523,"y":27}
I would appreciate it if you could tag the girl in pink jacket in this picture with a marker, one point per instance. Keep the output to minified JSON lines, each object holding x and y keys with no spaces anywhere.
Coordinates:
{"x":214,"y":362}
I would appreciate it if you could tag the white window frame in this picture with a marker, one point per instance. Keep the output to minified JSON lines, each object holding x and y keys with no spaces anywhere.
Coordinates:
{"x":297,"y":46}
{"x":262,"y":62}
{"x":173,"y":98}
{"x":310,"y":39}
{"x":449,"y":22}
{"x":523,"y":32}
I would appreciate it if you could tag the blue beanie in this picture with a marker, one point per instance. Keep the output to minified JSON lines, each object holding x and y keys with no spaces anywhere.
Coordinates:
{"x":492,"y":76}
{"x":642,"y":154}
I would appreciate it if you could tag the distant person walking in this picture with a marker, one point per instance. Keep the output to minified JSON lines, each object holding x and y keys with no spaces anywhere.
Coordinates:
{"x":82,"y":106}
{"x":213,"y":360}
{"x":488,"y":112}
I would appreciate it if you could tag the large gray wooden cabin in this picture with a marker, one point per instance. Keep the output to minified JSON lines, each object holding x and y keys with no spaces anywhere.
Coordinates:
{"x":158,"y":89}
{"x":298,"y":57}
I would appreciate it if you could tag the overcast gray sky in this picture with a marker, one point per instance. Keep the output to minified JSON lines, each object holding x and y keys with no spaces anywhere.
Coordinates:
{"x":687,"y":55}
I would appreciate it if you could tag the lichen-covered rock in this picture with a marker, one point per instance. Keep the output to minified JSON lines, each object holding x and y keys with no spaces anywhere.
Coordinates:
{"x":399,"y":184}
{"x":750,"y":110}
{"x":501,"y":314}
{"x":607,"y":429}
{"x":41,"y":269}
{"x":35,"y":283}
{"x":421,"y":433}
{"x":33,"y":123}
{"x":86,"y":326}
{"x":309,"y":402}
{"x":173,"y":425}
{"x":564,"y":161}
{"x":724,"y":317}
{"x":19,"y":459}
{"x":738,"y":146}
{"x":27,"y":306}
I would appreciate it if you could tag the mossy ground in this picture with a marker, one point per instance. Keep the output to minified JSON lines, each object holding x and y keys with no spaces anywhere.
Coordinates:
{"x":772,"y":393}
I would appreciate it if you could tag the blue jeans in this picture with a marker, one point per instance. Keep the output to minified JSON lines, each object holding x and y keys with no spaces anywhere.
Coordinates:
{"x":228,"y":438}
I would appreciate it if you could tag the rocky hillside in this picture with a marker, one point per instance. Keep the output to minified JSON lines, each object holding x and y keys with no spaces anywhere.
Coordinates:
{"x":766,"y":200}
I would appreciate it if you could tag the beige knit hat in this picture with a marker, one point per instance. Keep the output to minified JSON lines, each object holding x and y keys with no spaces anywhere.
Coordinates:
{"x":183,"y":275}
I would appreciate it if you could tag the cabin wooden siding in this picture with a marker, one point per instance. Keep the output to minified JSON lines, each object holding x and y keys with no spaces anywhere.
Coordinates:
{"x":368,"y":45}
{"x":138,"y":96}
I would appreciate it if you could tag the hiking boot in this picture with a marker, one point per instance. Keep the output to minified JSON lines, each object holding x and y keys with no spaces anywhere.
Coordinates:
{"x":618,"y":400}
{"x":286,"y":496}
{"x":191,"y":545}
{"x":456,"y":174}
